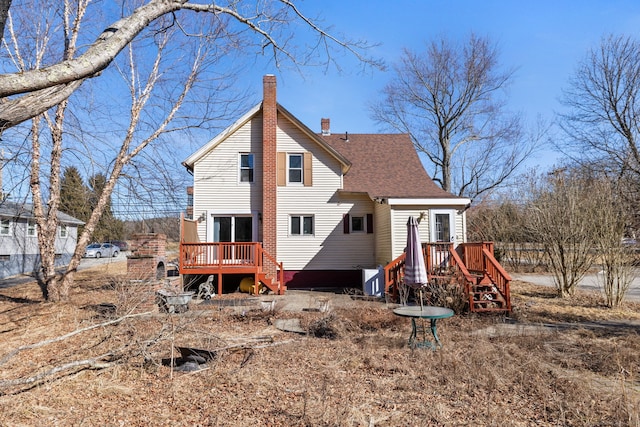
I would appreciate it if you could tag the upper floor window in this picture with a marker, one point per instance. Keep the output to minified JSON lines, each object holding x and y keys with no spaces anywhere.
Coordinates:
{"x":5,"y":227}
{"x":63,"y":231}
{"x":246,"y":167}
{"x":295,"y":168}
{"x":302,"y":225}
{"x":31,"y":229}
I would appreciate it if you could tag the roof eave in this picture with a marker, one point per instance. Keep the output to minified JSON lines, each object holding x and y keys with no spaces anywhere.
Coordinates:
{"x":428,"y":201}
{"x":198,"y":154}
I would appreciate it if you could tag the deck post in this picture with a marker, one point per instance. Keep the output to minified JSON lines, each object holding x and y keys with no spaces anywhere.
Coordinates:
{"x":219,"y":284}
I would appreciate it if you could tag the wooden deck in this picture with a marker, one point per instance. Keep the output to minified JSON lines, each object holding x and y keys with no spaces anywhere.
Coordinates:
{"x":472,"y":265}
{"x":232,"y":258}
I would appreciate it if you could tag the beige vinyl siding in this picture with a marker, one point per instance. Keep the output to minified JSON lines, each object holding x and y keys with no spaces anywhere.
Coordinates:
{"x":382,"y":230}
{"x":216,"y":183}
{"x":329,"y":247}
{"x":399,"y":218}
{"x":400,"y":215}
{"x":461,"y":227}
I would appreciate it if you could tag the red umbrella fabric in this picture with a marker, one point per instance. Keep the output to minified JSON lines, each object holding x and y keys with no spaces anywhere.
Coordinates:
{"x":415,"y":272}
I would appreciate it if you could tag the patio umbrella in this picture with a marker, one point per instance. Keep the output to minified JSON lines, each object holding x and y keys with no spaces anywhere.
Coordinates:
{"x":415,"y":272}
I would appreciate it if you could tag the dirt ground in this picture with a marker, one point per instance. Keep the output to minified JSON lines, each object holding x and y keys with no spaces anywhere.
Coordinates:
{"x":105,"y":359}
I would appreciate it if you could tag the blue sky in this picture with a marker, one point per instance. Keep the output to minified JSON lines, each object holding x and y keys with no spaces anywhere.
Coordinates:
{"x":543,"y":40}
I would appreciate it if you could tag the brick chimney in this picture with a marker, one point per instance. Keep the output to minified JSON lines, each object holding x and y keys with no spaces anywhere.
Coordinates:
{"x":269,"y":170}
{"x":325,"y":126}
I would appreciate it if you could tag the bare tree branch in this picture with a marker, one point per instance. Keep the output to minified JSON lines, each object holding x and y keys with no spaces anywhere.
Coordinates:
{"x":18,"y":350}
{"x":99,"y":362}
{"x":447,"y":100}
{"x":118,"y":35}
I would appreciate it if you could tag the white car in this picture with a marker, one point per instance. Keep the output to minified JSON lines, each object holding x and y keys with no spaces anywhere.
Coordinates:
{"x":98,"y":250}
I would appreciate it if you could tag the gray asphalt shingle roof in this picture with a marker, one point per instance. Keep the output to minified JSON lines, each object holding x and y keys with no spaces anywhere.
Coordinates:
{"x":25,"y":211}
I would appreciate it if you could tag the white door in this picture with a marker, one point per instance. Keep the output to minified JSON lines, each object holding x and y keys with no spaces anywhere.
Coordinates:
{"x":442,"y":225}
{"x":443,"y":229}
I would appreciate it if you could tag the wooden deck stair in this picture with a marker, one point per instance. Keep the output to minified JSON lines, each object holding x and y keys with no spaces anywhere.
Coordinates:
{"x":470,"y":265}
{"x":274,"y":285}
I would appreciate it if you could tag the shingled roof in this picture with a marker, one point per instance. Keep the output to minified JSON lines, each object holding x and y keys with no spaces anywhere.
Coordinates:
{"x":384,"y":166}
{"x":25,"y":211}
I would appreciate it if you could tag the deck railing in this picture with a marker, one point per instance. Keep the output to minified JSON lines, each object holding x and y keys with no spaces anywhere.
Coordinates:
{"x":393,"y":275}
{"x":220,"y":254}
{"x":440,"y":259}
{"x":499,"y":277}
{"x":472,"y":261}
{"x":472,"y":254}
{"x":278,"y":265}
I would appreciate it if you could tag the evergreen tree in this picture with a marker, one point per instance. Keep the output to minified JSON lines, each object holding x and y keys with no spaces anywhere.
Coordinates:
{"x":109,"y":227}
{"x":73,"y":195}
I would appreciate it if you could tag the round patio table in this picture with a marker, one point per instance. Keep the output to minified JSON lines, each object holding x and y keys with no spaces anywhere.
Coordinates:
{"x":423,"y":313}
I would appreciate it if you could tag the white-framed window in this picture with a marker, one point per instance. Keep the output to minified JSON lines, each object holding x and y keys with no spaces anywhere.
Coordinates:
{"x":295,"y":170}
{"x":5,"y":227}
{"x":31,"y":229}
{"x":357,"y":224}
{"x":301,"y":225}
{"x":63,"y":232}
{"x":246,"y":167}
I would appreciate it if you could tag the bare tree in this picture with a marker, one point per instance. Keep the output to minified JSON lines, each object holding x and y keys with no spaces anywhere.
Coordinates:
{"x":448,"y":98}
{"x":603,"y":100}
{"x":266,"y":25}
{"x":4,"y":12}
{"x":168,"y":72}
{"x":611,"y":217}
{"x":559,"y":217}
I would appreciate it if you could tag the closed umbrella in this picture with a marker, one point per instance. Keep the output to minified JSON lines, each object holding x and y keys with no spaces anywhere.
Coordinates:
{"x":415,"y":272}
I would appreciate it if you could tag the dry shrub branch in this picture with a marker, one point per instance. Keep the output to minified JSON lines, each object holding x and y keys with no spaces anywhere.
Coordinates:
{"x":564,"y":362}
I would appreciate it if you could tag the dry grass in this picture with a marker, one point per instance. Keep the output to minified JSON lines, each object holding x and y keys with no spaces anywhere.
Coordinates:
{"x":354,"y":369}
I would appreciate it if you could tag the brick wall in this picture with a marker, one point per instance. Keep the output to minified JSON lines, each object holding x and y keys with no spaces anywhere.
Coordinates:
{"x":148,"y":257}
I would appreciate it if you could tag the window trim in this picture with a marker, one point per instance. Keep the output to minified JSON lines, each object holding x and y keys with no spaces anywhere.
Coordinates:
{"x":301,"y":168}
{"x":7,"y":227}
{"x":347,"y":225}
{"x":301,"y":231}
{"x":31,"y":229}
{"x":363,"y":227}
{"x":252,"y":169}
{"x":63,"y":231}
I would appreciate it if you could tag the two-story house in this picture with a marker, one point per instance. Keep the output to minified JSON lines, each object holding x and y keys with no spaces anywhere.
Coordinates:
{"x":320,"y":206}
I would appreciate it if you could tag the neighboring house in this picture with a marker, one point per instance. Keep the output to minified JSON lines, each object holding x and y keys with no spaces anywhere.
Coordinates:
{"x":19,"y":252}
{"x":325,"y":205}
